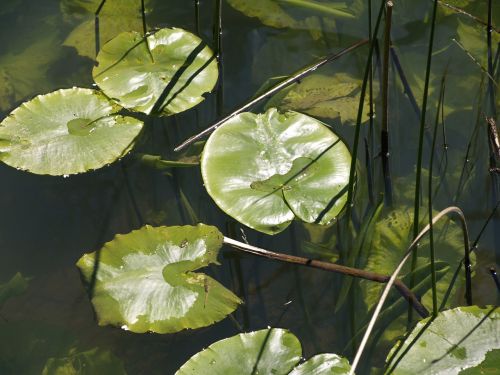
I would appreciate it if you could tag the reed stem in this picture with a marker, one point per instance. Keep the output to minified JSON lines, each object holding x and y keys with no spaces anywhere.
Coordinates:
{"x":384,"y":134}
{"x":416,"y":208}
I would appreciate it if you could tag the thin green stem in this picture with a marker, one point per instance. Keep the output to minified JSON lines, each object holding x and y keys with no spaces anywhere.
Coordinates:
{"x":431,"y":226}
{"x":357,"y":131}
{"x":416,"y":209}
{"x":384,"y":134}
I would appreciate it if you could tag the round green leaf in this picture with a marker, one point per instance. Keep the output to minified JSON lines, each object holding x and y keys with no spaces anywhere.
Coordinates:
{"x":168,"y":72}
{"x":268,"y":168}
{"x":144,"y":280}
{"x":66,"y":132}
{"x":323,"y":364}
{"x":455,"y":340}
{"x":268,"y":351}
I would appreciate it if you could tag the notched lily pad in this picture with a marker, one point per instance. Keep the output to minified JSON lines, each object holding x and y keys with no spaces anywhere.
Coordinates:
{"x":269,"y":351}
{"x":66,"y":132}
{"x":455,"y":340}
{"x":144,"y":280}
{"x":264,"y":170}
{"x":166,"y":73}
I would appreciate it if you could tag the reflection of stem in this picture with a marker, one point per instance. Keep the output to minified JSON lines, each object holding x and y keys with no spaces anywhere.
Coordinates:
{"x":217,"y":35}
{"x":331,"y":267}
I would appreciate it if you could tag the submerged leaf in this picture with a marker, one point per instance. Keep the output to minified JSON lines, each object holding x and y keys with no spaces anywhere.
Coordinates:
{"x":66,"y":132}
{"x":455,"y":340}
{"x":269,"y":351}
{"x":14,"y":287}
{"x":391,"y":239}
{"x":166,"y":73}
{"x":144,"y":280}
{"x":272,"y":12}
{"x":324,"y":96}
{"x":24,"y":73}
{"x":266,"y":169}
{"x":90,"y":362}
{"x":116,"y":16}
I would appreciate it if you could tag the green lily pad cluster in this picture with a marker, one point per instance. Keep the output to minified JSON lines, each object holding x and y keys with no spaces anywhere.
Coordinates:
{"x":75,"y":130}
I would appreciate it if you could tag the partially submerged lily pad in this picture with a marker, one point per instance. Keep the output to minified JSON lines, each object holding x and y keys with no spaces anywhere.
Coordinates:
{"x":66,"y":132}
{"x":323,"y":96}
{"x":268,"y":351}
{"x":166,"y":73}
{"x":266,"y":169}
{"x":455,"y":340}
{"x":144,"y":280}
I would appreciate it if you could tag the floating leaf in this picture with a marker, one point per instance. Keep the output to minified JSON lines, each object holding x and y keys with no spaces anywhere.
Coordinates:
{"x":66,"y":132}
{"x":144,"y":280}
{"x":167,"y":74}
{"x":14,"y":287}
{"x":323,"y":364}
{"x":269,"y":351}
{"x":266,"y":169}
{"x":116,"y":16}
{"x":455,"y":340}
{"x":90,"y":362}
{"x":323,"y":96}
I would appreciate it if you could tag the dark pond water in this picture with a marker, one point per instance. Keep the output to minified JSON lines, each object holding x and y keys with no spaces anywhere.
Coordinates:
{"x":47,"y":223}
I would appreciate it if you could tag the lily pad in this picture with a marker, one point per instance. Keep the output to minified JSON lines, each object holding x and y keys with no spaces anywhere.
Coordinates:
{"x":329,"y":97}
{"x":455,"y":340}
{"x":166,"y":73}
{"x":144,"y":280}
{"x":266,"y":169}
{"x":66,"y":132}
{"x":269,"y":351}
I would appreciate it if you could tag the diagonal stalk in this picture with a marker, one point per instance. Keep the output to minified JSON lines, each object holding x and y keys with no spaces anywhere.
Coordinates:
{"x":331,"y":267}
{"x":281,"y":85}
